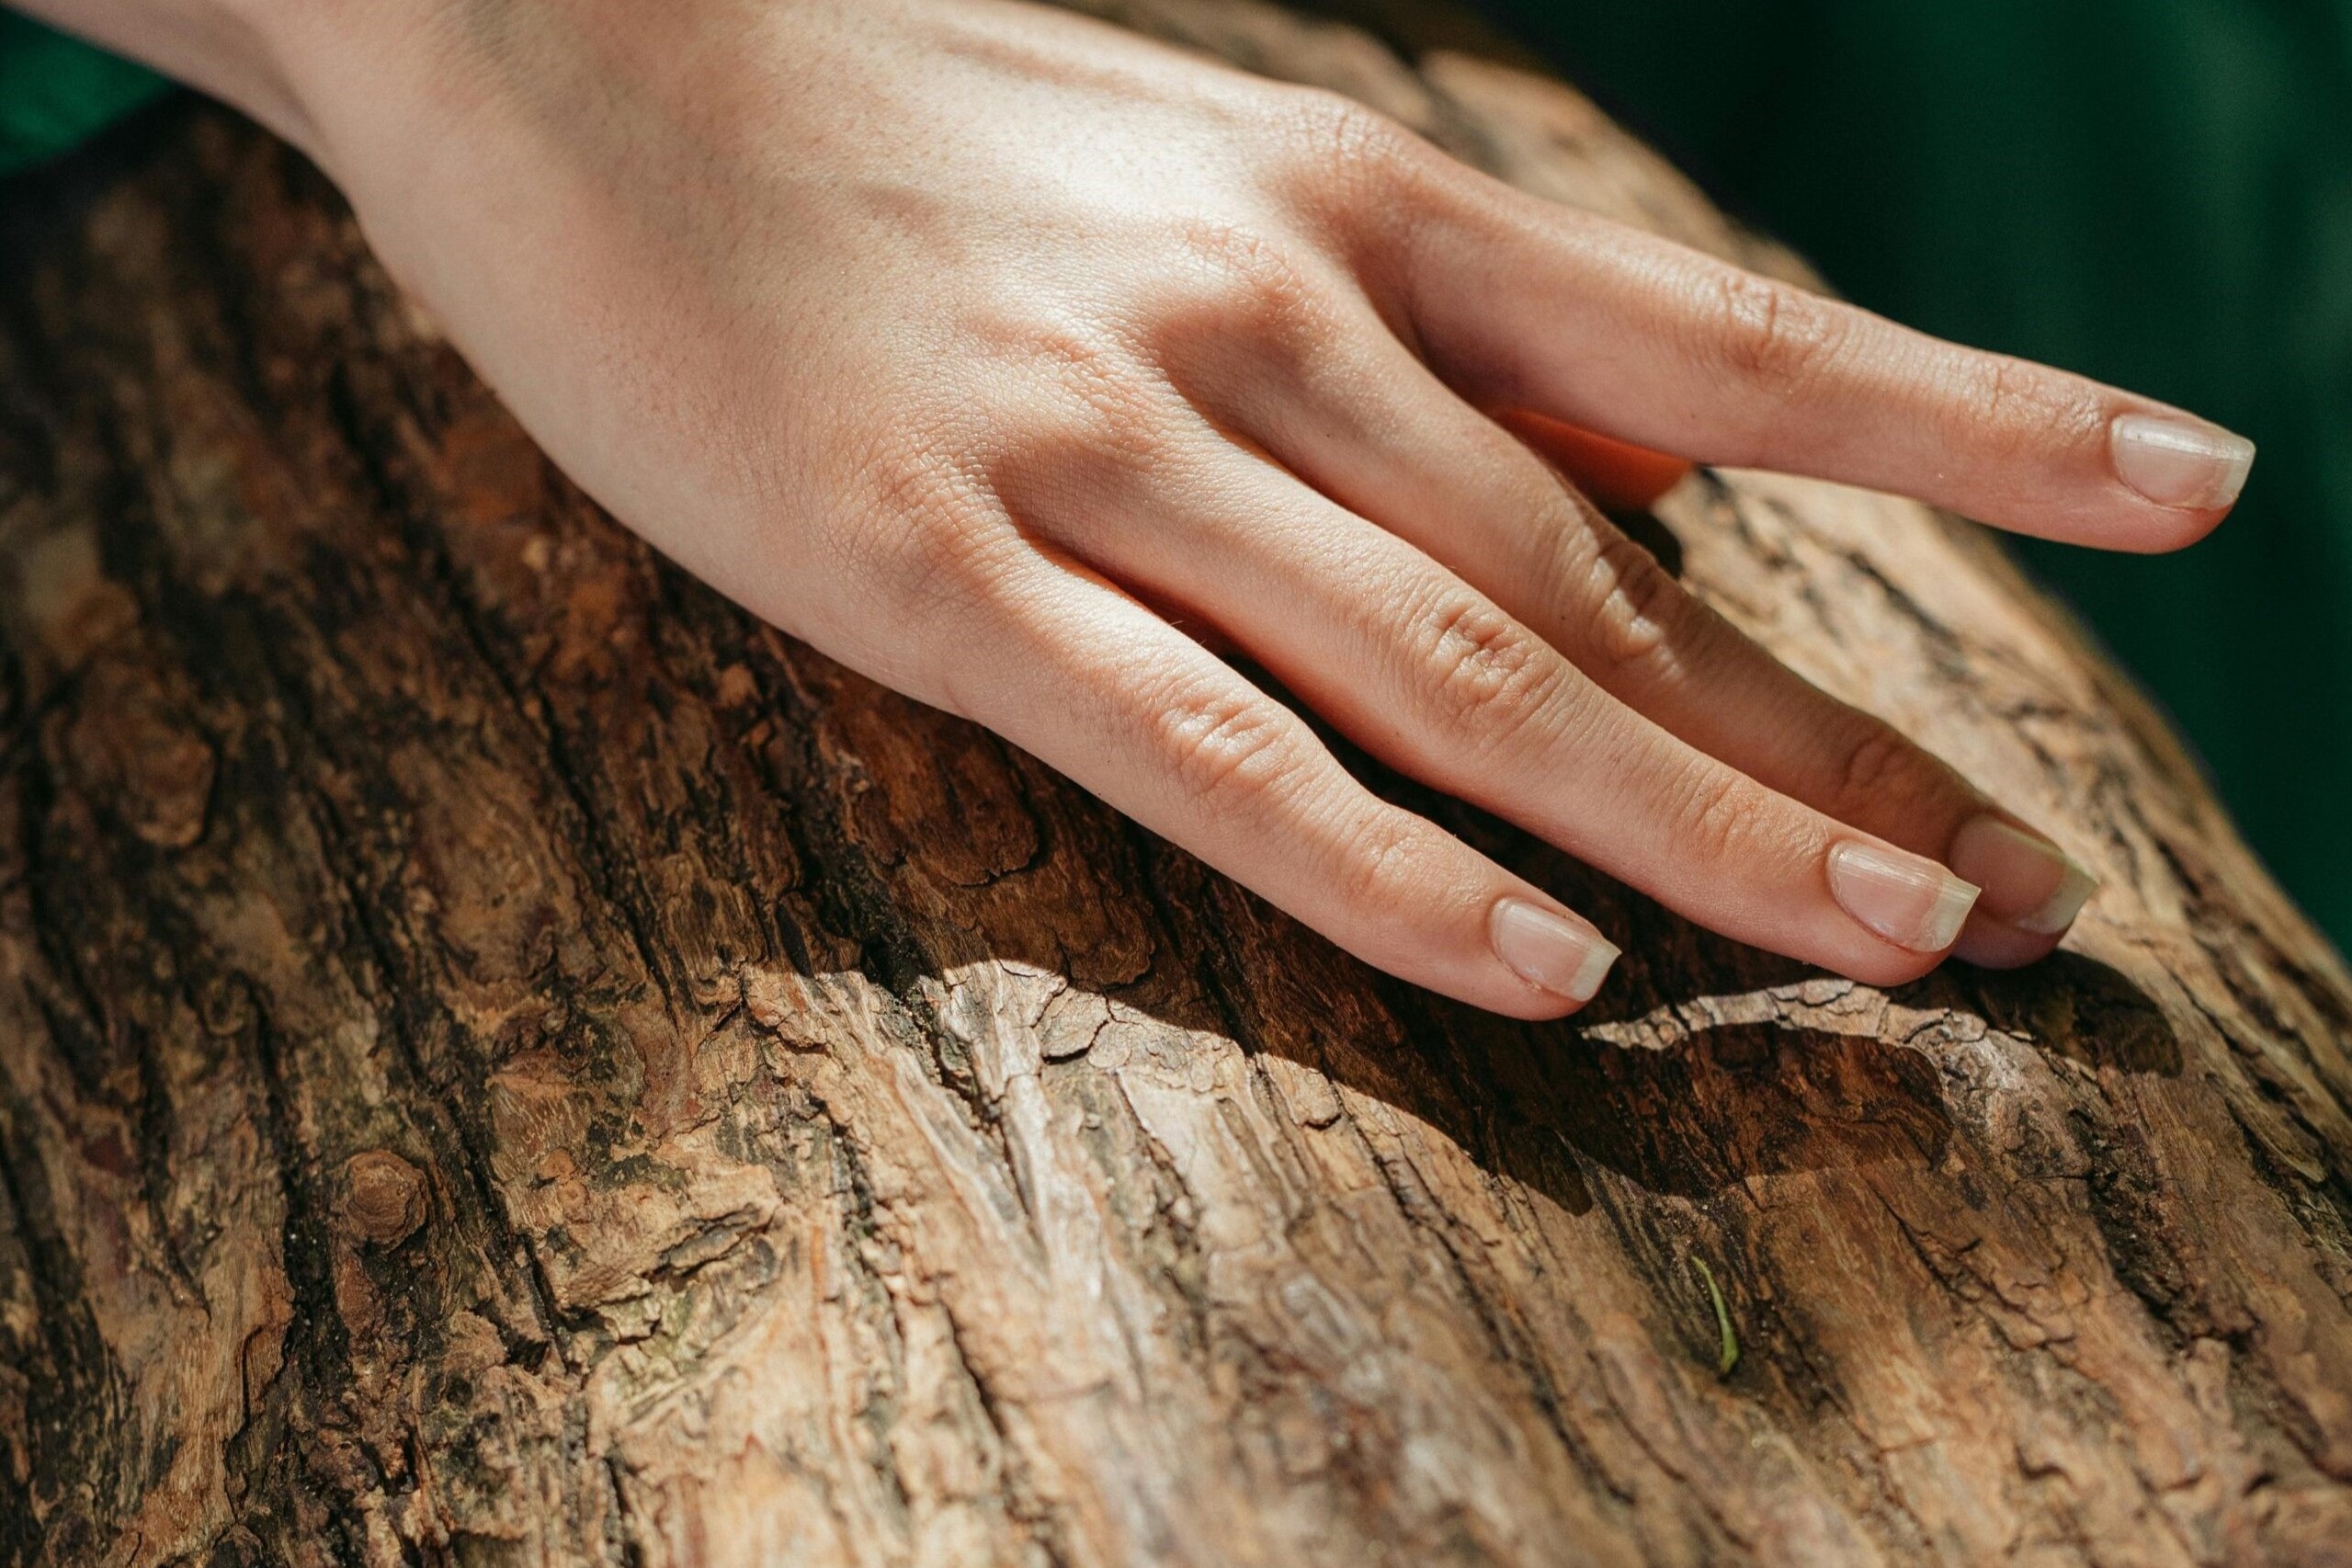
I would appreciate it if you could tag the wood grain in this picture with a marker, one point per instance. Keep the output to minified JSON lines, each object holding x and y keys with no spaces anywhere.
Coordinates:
{"x":502,"y":1059}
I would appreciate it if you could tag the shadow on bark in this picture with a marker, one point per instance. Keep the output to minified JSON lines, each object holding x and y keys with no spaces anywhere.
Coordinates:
{"x":501,"y":1058}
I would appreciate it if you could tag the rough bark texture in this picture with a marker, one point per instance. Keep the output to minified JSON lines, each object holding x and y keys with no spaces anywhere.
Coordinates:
{"x":503,"y":1060}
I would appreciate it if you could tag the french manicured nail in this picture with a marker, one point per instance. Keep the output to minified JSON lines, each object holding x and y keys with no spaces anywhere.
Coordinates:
{"x":2181,"y":462}
{"x":2029,"y":882}
{"x":1549,"y":952}
{"x":1910,"y":901}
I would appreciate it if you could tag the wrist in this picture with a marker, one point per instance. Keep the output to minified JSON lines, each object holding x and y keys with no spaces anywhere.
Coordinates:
{"x":306,"y":67}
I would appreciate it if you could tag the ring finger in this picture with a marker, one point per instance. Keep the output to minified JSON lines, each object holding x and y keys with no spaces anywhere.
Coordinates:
{"x":1381,"y":433}
{"x":1429,"y":675}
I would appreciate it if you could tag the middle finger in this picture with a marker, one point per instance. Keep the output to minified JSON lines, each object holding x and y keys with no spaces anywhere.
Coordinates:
{"x":1369,"y":426}
{"x":1430,"y":676}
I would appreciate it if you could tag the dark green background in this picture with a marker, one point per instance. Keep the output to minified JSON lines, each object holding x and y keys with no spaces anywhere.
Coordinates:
{"x":54,"y":91}
{"x":2155,"y":192}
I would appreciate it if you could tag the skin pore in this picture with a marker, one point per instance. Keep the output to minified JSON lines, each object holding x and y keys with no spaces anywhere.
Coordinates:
{"x":1014,"y":361}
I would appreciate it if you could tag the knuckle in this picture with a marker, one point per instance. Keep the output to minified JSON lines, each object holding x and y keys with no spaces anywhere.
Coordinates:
{"x":1770,"y":334}
{"x":954,"y":558}
{"x":1490,"y":676}
{"x":1994,"y":402}
{"x":1351,"y":169}
{"x":1227,"y":753}
{"x":2024,"y":408}
{"x":1885,"y":775}
{"x":1725,"y":819}
{"x":1242,"y":281}
{"x":937,"y":541}
{"x":1088,"y":408}
{"x":1330,"y":131}
{"x":1873,"y":757}
{"x":1378,"y":865}
{"x":1638,"y":610}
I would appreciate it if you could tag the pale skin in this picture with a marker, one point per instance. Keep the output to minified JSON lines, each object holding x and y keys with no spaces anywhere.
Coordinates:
{"x":1020,"y":364}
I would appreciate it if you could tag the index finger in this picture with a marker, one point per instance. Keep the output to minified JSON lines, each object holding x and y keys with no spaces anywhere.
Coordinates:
{"x":1522,"y":303}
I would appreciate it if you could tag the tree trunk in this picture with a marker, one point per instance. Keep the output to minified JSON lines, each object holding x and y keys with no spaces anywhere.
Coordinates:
{"x":503,"y":1059}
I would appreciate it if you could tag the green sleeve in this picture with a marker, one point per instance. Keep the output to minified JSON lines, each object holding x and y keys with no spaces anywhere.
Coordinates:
{"x":56,"y":90}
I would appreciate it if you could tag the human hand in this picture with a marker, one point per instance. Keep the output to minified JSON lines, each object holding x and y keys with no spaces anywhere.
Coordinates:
{"x":988,"y":349}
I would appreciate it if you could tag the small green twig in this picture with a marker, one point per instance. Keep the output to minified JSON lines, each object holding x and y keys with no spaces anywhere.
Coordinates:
{"x":1728,"y":1356}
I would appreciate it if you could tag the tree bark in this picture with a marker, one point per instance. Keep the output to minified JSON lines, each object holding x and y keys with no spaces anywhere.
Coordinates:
{"x":502,"y":1058}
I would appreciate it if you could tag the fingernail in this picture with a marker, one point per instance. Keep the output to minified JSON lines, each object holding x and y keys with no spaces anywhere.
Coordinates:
{"x":2179,"y":461}
{"x":1549,"y":952}
{"x":2029,"y":882}
{"x":1910,"y":901}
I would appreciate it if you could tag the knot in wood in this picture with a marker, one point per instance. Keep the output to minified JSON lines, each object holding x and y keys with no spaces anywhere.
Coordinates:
{"x":384,"y":1197}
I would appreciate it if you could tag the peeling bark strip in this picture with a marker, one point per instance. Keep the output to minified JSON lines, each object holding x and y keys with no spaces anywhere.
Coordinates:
{"x":502,"y":1059}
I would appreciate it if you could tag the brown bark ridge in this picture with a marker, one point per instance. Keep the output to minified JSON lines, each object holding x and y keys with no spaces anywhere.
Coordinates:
{"x":503,"y":1060}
